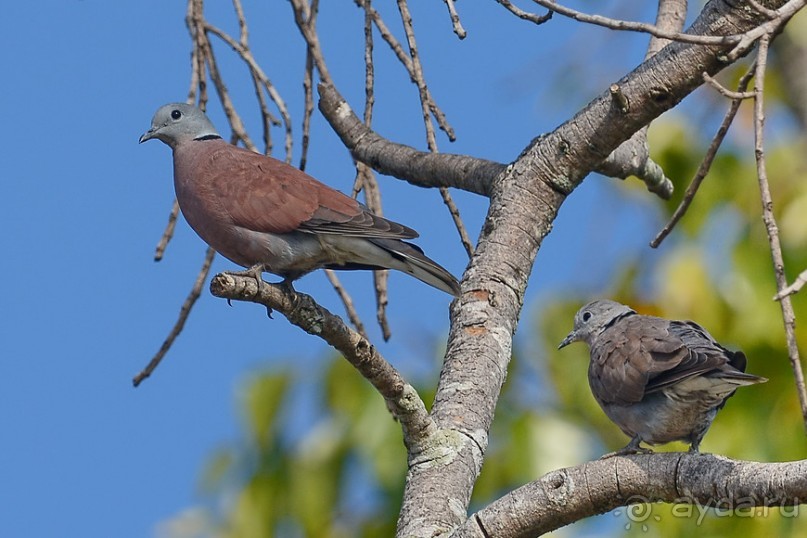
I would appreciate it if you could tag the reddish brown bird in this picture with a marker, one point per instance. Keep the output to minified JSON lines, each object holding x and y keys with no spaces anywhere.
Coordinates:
{"x":266,"y":215}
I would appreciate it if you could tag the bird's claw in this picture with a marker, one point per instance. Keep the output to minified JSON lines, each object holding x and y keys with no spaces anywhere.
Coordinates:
{"x":634,"y":447}
{"x":627,"y":451}
{"x":256,"y":272}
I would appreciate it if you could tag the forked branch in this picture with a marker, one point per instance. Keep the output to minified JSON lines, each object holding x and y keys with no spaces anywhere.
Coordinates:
{"x":301,"y":310}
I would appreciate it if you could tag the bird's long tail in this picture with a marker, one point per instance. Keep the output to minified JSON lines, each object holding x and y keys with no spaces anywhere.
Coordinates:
{"x":410,"y":259}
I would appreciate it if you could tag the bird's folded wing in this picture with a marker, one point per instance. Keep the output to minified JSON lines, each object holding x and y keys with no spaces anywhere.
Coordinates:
{"x":642,"y":355}
{"x":365,"y":224}
{"x":266,"y":195}
{"x":709,"y":354}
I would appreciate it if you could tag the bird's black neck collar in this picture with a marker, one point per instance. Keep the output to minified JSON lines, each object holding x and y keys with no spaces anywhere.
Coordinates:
{"x":208,"y":137}
{"x":619,"y":317}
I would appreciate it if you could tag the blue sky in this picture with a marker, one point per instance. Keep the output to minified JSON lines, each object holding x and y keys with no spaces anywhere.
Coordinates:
{"x":84,"y":306}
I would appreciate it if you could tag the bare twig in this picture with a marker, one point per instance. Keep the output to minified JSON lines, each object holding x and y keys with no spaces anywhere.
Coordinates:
{"x":406,"y":61}
{"x":525,"y":15}
{"x":308,"y":91}
{"x":301,"y":16}
{"x":454,"y":211}
{"x":366,"y":180}
{"x":301,"y":310}
{"x":184,"y":312}
{"x":706,"y":163}
{"x":203,"y":55}
{"x":193,"y":18}
{"x":427,"y":169}
{"x":425,"y":103}
{"x":741,"y":43}
{"x":455,"y":19}
{"x":386,"y":34}
{"x":630,"y":26}
{"x":369,"y":69}
{"x":368,"y":183}
{"x":308,"y":110}
{"x":632,"y":158}
{"x":381,"y":284}
{"x":236,"y":124}
{"x":168,"y":233}
{"x":347,"y":300}
{"x":725,"y":92}
{"x":267,"y":119}
{"x":257,"y":72}
{"x":795,"y":287}
{"x":771,"y":226}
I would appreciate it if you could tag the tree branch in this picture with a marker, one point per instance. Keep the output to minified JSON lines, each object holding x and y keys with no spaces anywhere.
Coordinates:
{"x":632,"y":158}
{"x":455,"y":19}
{"x":525,"y":15}
{"x":423,"y":169}
{"x":301,"y":310}
{"x":568,"y":495}
{"x":524,"y":204}
{"x":426,"y":169}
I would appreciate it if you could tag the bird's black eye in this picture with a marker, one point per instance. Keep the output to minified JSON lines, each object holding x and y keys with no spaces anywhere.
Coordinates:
{"x":586,"y":316}
{"x":176,"y":114}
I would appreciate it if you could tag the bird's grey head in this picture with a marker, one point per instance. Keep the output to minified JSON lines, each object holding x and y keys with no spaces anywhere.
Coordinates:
{"x":593,"y":318}
{"x":175,"y":123}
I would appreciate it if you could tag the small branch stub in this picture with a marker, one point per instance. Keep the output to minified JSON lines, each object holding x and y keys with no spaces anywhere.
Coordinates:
{"x":620,"y":99}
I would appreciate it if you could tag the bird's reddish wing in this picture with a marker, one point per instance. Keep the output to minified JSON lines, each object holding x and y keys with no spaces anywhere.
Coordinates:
{"x":266,"y":195}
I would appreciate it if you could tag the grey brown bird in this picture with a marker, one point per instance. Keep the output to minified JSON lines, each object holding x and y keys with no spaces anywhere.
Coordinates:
{"x":658,"y":380}
{"x":266,"y":215}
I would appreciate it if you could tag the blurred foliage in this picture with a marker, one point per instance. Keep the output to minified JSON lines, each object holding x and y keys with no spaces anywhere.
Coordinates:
{"x":343,"y":476}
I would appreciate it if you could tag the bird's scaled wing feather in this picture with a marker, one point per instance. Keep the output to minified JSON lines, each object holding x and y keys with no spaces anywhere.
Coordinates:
{"x":707,"y":354}
{"x":640,"y":355}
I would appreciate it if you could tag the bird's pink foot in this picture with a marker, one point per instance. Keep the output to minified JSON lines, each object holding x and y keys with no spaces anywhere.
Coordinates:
{"x":256,"y":272}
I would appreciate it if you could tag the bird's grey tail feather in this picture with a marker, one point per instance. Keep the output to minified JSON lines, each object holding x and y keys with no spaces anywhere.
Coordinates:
{"x":742,"y":378}
{"x":420,"y":266}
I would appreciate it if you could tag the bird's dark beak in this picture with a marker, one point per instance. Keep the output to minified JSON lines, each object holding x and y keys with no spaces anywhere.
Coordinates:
{"x":571,"y":337}
{"x":148,"y":135}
